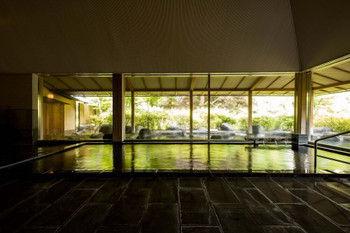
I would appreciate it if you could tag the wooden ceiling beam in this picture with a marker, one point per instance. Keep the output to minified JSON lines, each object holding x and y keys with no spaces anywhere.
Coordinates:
{"x":96,"y":83}
{"x":332,"y":85}
{"x":272,"y":82}
{"x":223,"y":83}
{"x":340,"y":69}
{"x":64,"y":83}
{"x":240,"y":81}
{"x":144,"y":83}
{"x":80,"y":83}
{"x":193,"y":83}
{"x":287,"y":83}
{"x":256,"y":84}
{"x":129,"y":84}
{"x":327,"y":77}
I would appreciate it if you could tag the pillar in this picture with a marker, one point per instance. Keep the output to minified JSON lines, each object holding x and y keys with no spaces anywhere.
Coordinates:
{"x":250,"y":112}
{"x":208,"y":106}
{"x":19,"y":109}
{"x":191,"y":114}
{"x":132,"y":112}
{"x":302,"y":107}
{"x":40,"y":108}
{"x":118,"y":108}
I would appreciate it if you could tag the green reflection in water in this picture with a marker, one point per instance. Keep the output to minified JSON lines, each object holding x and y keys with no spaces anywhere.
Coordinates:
{"x":215,"y":157}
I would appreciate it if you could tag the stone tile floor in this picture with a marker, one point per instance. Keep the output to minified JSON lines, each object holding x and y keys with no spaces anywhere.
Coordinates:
{"x":170,"y":204}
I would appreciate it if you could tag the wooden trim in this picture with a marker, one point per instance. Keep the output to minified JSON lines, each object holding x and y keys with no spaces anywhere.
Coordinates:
{"x":144,"y":83}
{"x":96,"y":83}
{"x":64,"y":83}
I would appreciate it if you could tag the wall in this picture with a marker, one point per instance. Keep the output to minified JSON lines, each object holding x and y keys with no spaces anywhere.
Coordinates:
{"x":69,"y":110}
{"x":18,"y":108}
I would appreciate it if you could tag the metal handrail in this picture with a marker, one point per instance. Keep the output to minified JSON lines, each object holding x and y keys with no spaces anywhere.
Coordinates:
{"x":320,"y":139}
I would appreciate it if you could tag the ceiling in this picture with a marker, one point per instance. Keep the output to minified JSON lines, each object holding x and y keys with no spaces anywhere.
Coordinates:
{"x":330,"y":79}
{"x":183,"y":36}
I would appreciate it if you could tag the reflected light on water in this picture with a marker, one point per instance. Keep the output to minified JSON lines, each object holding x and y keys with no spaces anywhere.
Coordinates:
{"x":187,"y":157}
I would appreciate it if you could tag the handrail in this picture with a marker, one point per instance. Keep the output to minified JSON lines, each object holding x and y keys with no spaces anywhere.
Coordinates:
{"x":320,"y":139}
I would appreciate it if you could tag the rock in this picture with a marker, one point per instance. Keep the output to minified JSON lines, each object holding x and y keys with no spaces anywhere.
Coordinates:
{"x":215,"y":137}
{"x":176,"y":127}
{"x":258,"y":129}
{"x":108,"y":136}
{"x":144,"y":134}
{"x":96,"y":135}
{"x":226,"y":127}
{"x":106,"y":129}
{"x":138,"y":128}
{"x":128,"y":129}
{"x":203,"y":129}
{"x":321,"y":130}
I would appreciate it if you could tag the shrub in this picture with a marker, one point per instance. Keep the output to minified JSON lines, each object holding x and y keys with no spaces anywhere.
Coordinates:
{"x":337,"y":124}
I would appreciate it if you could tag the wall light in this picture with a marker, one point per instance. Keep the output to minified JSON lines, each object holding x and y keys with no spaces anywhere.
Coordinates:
{"x":50,"y":96}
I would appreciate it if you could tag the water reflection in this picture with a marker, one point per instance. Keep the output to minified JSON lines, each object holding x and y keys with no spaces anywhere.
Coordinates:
{"x":187,"y":157}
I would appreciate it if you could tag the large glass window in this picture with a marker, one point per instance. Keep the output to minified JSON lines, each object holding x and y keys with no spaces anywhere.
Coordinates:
{"x":228,"y":116}
{"x":332,"y":115}
{"x":273,"y":116}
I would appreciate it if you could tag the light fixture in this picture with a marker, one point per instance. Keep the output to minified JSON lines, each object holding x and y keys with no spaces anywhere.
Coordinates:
{"x":50,"y":96}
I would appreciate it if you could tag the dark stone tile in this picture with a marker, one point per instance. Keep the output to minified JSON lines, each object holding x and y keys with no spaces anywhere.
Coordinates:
{"x":20,"y":190}
{"x":263,"y":211}
{"x":331,"y":192}
{"x":56,"y":214}
{"x":91,"y":183}
{"x":164,"y":191}
{"x":56,"y":191}
{"x":190,"y":182}
{"x":129,"y":209}
{"x":87,"y":218}
{"x":239,"y":182}
{"x":146,"y":183}
{"x":200,"y":230}
{"x":289,"y":183}
{"x":195,"y":208}
{"x":110,"y":191}
{"x":118,"y":229}
{"x":219,"y":191}
{"x":323,"y":205}
{"x":284,"y":229}
{"x":39,"y":230}
{"x":234,"y":218}
{"x":15,"y":218}
{"x":255,"y":203}
{"x":29,"y":208}
{"x":273,"y":191}
{"x":271,"y":215}
{"x":309,"y":219}
{"x":161,"y":218}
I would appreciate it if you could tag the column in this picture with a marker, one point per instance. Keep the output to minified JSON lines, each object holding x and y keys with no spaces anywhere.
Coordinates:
{"x":19,"y":109}
{"x":250,"y":112}
{"x":302,"y":107}
{"x":40,"y":108}
{"x":118,"y":108}
{"x":208,"y":106}
{"x":132,"y":112}
{"x":191,"y":114}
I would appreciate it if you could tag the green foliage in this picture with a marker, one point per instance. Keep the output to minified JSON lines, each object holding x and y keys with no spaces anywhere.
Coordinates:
{"x":272,"y":123}
{"x":337,"y":124}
